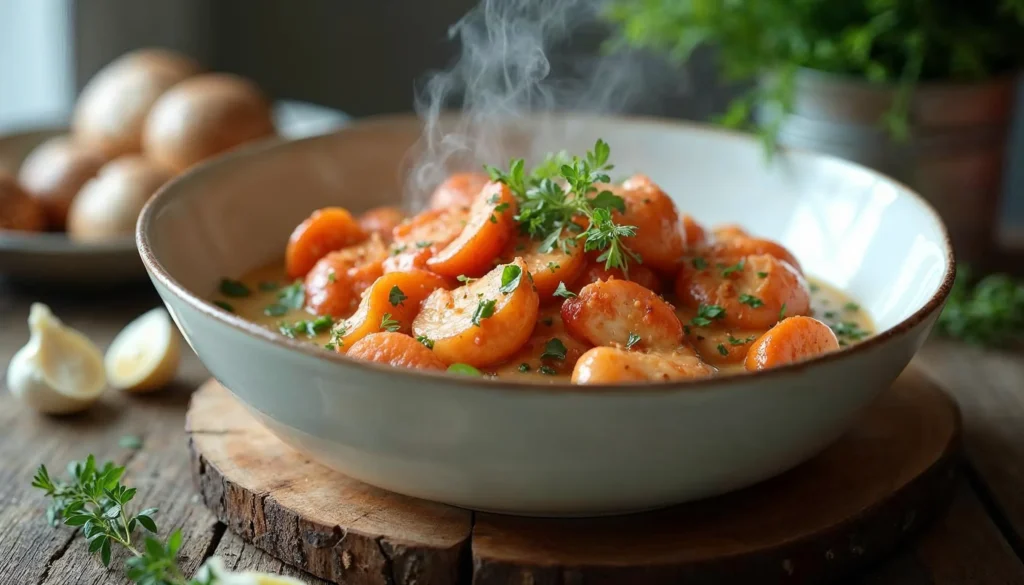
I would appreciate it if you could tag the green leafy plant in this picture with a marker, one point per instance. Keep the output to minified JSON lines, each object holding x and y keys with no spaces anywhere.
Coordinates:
{"x":561,"y":189}
{"x":94,"y":500}
{"x":901,"y":42}
{"x":987,"y":312}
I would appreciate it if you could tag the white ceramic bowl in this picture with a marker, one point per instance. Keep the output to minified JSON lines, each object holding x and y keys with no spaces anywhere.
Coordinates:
{"x":553,"y":450}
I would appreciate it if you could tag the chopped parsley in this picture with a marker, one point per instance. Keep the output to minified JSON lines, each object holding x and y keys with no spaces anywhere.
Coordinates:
{"x":423,"y":244}
{"x":309,"y":328}
{"x":464,"y":279}
{"x":563,"y":292}
{"x":736,"y":341}
{"x":225,"y":305}
{"x":275,"y":310}
{"x":722,"y":349}
{"x":389,"y":324}
{"x":547,"y":370}
{"x":762,"y":274}
{"x":554,"y":349}
{"x":484,"y":310}
{"x":699,"y":263}
{"x":331,"y":277}
{"x":426,"y":341}
{"x":851,"y":307}
{"x":751,"y":301}
{"x":633,"y":340}
{"x":524,"y":367}
{"x":292,"y":296}
{"x":705,"y":313}
{"x":500,"y":208}
{"x":553,"y":267}
{"x":337,"y":332}
{"x":396,"y":296}
{"x":782,"y":312}
{"x":234,"y":288}
{"x":849,"y":330}
{"x":510,"y":277}
{"x":830,"y":315}
{"x":398,"y":249}
{"x":814,"y":288}
{"x":737,"y":267}
{"x":547,"y":321}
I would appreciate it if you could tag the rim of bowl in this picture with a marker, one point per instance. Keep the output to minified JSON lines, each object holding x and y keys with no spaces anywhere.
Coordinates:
{"x":159,"y":273}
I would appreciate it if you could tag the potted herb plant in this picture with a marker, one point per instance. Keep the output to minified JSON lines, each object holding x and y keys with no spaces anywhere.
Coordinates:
{"x":921,"y":90}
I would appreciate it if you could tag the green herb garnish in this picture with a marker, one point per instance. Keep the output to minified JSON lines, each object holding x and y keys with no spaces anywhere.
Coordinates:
{"x":293,"y":296}
{"x":484,"y":310}
{"x":563,"y":292}
{"x":465,"y":279}
{"x":275,"y":310}
{"x":782,"y":312}
{"x":423,"y":244}
{"x":736,"y":341}
{"x":849,"y":330}
{"x":554,"y":349}
{"x":426,"y":341}
{"x":989,"y":312}
{"x":225,"y":305}
{"x":633,"y":340}
{"x":511,"y":274}
{"x":524,"y":367}
{"x":705,"y":313}
{"x":851,"y":307}
{"x":762,"y":274}
{"x":699,"y":263}
{"x":722,"y":349}
{"x":234,"y":288}
{"x":547,"y":370}
{"x":546,"y":209}
{"x":389,"y":324}
{"x":309,"y":328}
{"x":737,"y":267}
{"x":750,"y":300}
{"x":553,"y":267}
{"x":396,"y":296}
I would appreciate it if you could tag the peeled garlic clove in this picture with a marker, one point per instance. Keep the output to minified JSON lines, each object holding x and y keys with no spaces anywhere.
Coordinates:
{"x":59,"y":370}
{"x":145,"y":354}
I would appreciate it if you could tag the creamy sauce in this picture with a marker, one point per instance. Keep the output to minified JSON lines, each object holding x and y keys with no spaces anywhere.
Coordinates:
{"x":266,"y":305}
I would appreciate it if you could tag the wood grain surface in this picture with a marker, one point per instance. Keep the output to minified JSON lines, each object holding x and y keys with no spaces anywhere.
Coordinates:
{"x":849,"y":505}
{"x":970,"y":544}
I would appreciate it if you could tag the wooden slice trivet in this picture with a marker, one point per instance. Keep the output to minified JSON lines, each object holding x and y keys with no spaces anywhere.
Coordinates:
{"x":852,"y":503}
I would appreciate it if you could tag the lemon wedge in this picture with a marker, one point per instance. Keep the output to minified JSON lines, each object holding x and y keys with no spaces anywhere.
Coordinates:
{"x":59,"y":370}
{"x":145,"y":354}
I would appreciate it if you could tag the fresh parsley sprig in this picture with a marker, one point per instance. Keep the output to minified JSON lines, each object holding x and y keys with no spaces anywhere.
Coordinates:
{"x":560,"y":190}
{"x":988,"y":312}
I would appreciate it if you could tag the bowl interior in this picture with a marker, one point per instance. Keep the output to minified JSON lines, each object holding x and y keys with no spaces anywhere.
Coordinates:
{"x":849,"y":226}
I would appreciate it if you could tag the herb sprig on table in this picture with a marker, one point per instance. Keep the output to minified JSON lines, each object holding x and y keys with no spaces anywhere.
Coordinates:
{"x":987,"y":312}
{"x":562,"y":189}
{"x":94,"y":499}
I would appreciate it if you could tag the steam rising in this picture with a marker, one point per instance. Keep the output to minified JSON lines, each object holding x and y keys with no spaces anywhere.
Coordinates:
{"x":514,"y":63}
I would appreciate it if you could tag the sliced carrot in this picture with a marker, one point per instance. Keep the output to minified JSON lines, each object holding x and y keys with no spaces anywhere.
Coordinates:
{"x":391,"y":302}
{"x":458,"y":190}
{"x":731,"y":250}
{"x":729,"y":231}
{"x":652,"y":212}
{"x":560,"y":264}
{"x":594,"y":271}
{"x":621,"y":312}
{"x":489,"y":227}
{"x":793,"y":340}
{"x":480,"y":324}
{"x":719,"y":346}
{"x":381,"y":220}
{"x":326,"y":230}
{"x":395,"y":349}
{"x":334,"y":284}
{"x":613,"y":365}
{"x":418,"y":238}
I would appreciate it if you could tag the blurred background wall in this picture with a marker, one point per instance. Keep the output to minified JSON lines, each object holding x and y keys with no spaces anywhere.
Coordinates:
{"x":360,"y":57}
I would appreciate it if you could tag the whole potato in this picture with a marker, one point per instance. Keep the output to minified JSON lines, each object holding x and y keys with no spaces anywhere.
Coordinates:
{"x":205,"y":116}
{"x":112,"y":108}
{"x":18,"y":211}
{"x":54,"y":172}
{"x":109,"y":204}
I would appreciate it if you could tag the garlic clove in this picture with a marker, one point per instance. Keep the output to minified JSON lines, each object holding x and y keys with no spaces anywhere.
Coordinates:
{"x":145,"y":354}
{"x":59,"y":370}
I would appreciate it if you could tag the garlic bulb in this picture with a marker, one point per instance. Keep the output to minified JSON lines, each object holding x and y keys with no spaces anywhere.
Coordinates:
{"x":59,"y":370}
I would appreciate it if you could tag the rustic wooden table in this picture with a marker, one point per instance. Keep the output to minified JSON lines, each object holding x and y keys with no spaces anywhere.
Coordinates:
{"x":979,"y":540}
